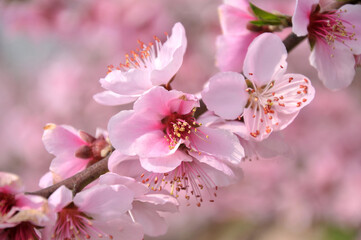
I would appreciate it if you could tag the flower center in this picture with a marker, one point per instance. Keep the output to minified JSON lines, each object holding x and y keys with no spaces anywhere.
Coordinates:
{"x":24,"y":230}
{"x":73,"y":224}
{"x":188,"y":177}
{"x":330,"y":27}
{"x":179,"y":127}
{"x":7,"y":201}
{"x":96,"y":149}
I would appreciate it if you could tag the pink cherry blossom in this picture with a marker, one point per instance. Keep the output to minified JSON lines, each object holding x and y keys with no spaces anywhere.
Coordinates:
{"x":74,"y":150}
{"x":270,"y":148}
{"x":336,"y":37}
{"x":146,"y":205}
{"x":95,"y":213}
{"x":170,"y":143}
{"x":21,"y":216}
{"x":268,"y":99}
{"x":232,"y":45}
{"x":151,"y":65}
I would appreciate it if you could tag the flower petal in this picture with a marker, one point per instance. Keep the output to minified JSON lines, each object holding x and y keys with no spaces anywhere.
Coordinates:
{"x":131,"y":82}
{"x":340,"y":60}
{"x":170,"y":57}
{"x":125,"y":165}
{"x":351,"y":13}
{"x":112,"y":99}
{"x":265,"y":59}
{"x":61,"y":139}
{"x":125,"y":127}
{"x":60,"y":198}
{"x":159,"y":202}
{"x":219,"y":143}
{"x":301,"y":16}
{"x":153,"y":224}
{"x":234,"y":20}
{"x":114,"y":179}
{"x":226,"y":94}
{"x":164,"y":164}
{"x":91,"y":201}
{"x":291,"y":93}
{"x":232,"y":49}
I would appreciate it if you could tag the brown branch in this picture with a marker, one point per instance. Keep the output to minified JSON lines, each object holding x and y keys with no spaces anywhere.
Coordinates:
{"x":77,"y":182}
{"x":291,"y":41}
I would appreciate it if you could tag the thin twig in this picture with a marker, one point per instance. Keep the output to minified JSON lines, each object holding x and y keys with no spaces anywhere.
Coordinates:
{"x":77,"y":182}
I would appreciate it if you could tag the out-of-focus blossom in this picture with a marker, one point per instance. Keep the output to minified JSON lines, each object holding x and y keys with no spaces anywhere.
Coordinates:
{"x":232,"y":45}
{"x":268,"y":100}
{"x":335,"y":39}
{"x":74,"y":150}
{"x":150,"y":65}
{"x":21,"y":216}
{"x":171,"y":144}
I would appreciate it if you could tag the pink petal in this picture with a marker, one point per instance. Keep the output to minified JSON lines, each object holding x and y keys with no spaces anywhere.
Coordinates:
{"x":295,"y":90}
{"x":342,"y":64}
{"x":213,"y":162}
{"x":132,"y":82}
{"x":124,"y":165}
{"x":91,"y":201}
{"x":183,"y":104}
{"x":156,"y":102}
{"x":170,"y":57}
{"x":265,"y":59}
{"x":112,"y":99}
{"x":118,"y":228}
{"x":153,"y":224}
{"x":241,"y":4}
{"x":137,"y":188}
{"x":60,"y":198}
{"x":234,"y":20}
{"x":220,"y":178}
{"x":125,"y":127}
{"x":10,"y":182}
{"x":220,"y":144}
{"x":164,"y":164}
{"x":351,"y":13}
{"x":226,"y":94}
{"x":154,"y":144}
{"x":301,"y":17}
{"x":67,"y":165}
{"x":232,"y":49}
{"x":260,"y":126}
{"x":159,"y":202}
{"x":61,"y":139}
{"x":46,"y":180}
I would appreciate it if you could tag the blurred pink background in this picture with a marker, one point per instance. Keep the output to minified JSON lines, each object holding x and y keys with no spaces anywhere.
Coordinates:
{"x":52,"y":54}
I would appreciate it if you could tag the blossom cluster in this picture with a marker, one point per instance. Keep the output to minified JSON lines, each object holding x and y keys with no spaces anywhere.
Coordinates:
{"x":173,"y":147}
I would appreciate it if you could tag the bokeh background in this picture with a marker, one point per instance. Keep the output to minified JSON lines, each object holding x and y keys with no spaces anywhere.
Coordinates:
{"x":53,"y":52}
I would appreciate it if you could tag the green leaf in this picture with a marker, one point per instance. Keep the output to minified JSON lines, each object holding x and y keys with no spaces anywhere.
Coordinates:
{"x":263,"y":15}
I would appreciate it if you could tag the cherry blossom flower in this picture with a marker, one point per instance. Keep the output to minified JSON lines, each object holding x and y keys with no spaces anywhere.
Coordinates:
{"x":171,"y":145}
{"x":146,"y":205}
{"x":335,"y":39}
{"x":272,"y":147}
{"x":95,"y":213}
{"x":232,"y":45}
{"x":74,"y":150}
{"x":151,"y":65}
{"x":21,"y":216}
{"x":268,"y":100}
